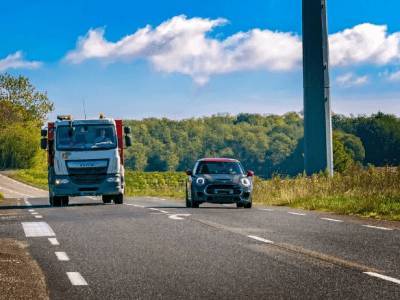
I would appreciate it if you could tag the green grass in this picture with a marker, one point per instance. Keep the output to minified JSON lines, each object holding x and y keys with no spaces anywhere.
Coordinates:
{"x":368,"y":192}
{"x":1,"y":196}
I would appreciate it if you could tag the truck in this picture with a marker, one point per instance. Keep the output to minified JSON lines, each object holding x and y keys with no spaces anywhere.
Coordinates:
{"x":85,"y":158}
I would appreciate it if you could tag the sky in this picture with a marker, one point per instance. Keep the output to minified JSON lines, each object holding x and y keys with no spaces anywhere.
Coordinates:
{"x":181,"y":59}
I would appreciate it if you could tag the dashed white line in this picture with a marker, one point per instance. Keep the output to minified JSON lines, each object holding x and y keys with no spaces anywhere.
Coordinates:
{"x":54,"y":241}
{"x":76,"y":278}
{"x":38,"y":217}
{"x":36,"y":229}
{"x":378,"y":227}
{"x":62,"y":256}
{"x":160,"y":210}
{"x":178,"y":216}
{"x":296,"y":213}
{"x":384,"y":277}
{"x":332,"y":220}
{"x":31,"y":210}
{"x":34,"y":213}
{"x":257,"y":238}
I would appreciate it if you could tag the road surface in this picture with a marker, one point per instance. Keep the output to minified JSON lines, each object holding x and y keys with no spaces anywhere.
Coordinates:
{"x":155,"y":248}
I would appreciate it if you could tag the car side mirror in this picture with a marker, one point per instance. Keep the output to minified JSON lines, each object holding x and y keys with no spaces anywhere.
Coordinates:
{"x":128,"y":141}
{"x":43,"y":143}
{"x":43,"y":132}
{"x":189,"y":172}
{"x":250,"y":173}
{"x":127,"y":130}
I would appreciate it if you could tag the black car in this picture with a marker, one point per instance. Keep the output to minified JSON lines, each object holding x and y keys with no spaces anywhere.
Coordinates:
{"x":219,"y":180}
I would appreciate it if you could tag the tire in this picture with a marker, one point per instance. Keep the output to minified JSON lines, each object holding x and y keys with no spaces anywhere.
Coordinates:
{"x":51,"y":200}
{"x":65,"y":201}
{"x":239,"y":204}
{"x":57,"y":201}
{"x":248,"y":205}
{"x":195,"y":204}
{"x":119,"y":199}
{"x":106,"y":199}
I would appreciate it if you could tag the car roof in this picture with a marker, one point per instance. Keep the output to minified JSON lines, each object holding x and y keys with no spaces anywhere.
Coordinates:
{"x":218,"y":159}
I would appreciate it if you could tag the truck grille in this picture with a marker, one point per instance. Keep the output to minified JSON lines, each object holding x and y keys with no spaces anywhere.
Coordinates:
{"x":223,"y":189}
{"x":85,"y":176}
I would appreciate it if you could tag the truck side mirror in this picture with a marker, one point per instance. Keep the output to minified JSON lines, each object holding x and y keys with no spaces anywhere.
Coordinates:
{"x":128,"y":141}
{"x":127,"y":130}
{"x":43,"y":132}
{"x":43,"y":143}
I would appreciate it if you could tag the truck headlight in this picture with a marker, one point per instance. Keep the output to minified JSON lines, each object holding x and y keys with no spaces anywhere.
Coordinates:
{"x":61,"y":181}
{"x":200,"y":181}
{"x":245,"y":182}
{"x":113,"y":179}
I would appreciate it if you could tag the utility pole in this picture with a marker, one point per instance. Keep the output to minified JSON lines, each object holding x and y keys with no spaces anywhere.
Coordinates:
{"x":318,"y":155}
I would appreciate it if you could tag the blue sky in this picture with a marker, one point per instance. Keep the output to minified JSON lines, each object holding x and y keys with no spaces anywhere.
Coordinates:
{"x":196,"y":68}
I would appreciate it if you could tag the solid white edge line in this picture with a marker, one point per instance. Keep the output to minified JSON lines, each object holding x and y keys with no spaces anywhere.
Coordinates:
{"x":384,"y":277}
{"x":266,"y":209}
{"x":377,"y":227}
{"x":254,"y":237}
{"x":76,"y":278}
{"x":295,"y":213}
{"x":332,"y":220}
{"x":156,"y":209}
{"x":135,"y":205}
{"x":54,"y":241}
{"x":62,"y":256}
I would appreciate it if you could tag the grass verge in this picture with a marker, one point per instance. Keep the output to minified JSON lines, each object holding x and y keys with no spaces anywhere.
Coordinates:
{"x":368,"y":192}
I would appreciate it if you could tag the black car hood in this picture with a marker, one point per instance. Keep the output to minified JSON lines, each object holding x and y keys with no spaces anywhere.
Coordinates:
{"x":222,"y":178}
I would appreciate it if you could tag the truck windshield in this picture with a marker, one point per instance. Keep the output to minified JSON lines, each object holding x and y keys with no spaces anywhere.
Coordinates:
{"x":232,"y":168}
{"x":86,"y":137}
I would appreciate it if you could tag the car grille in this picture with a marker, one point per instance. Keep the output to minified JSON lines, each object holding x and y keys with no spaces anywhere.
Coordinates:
{"x":223,"y":189}
{"x":84,"y":176}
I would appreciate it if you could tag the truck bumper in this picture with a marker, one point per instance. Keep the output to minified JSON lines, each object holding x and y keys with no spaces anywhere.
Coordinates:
{"x":66,"y":186}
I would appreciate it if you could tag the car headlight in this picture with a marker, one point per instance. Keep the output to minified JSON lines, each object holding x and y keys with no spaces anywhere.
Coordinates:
{"x":245,"y":182}
{"x":113,"y":179}
{"x":61,"y":181}
{"x":200,"y":181}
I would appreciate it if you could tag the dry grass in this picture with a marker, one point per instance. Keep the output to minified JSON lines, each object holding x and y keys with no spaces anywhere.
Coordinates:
{"x":372,"y":192}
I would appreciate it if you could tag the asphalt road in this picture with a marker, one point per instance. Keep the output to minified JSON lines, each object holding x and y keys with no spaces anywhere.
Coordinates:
{"x":155,"y":248}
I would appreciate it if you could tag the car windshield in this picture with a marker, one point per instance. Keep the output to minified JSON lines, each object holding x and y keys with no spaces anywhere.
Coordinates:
{"x":216,"y":167}
{"x":86,"y":137}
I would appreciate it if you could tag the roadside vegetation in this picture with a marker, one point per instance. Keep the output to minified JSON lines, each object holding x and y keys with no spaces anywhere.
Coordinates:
{"x":1,"y":196}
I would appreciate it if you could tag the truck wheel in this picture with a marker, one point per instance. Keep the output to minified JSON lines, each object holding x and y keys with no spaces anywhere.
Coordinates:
{"x":195,"y":204}
{"x":119,"y":199}
{"x":239,"y":204}
{"x":51,"y":200}
{"x":106,"y":199}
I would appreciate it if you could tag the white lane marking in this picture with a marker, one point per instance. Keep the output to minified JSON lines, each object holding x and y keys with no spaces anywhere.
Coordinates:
{"x":178,"y":216}
{"x":160,"y":210}
{"x":35,"y":229}
{"x":13,"y":192}
{"x":332,"y":220}
{"x":378,"y":227}
{"x":27,"y":202}
{"x":62,"y":256}
{"x":54,"y":241}
{"x":31,"y":210}
{"x":296,"y":213}
{"x":38,"y":217}
{"x":266,"y":209}
{"x":76,"y":278}
{"x":34,"y":213}
{"x":384,"y":277}
{"x":254,"y":237}
{"x":135,"y":205}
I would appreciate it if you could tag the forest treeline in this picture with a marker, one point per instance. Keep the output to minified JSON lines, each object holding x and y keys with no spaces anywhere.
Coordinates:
{"x":267,"y":144}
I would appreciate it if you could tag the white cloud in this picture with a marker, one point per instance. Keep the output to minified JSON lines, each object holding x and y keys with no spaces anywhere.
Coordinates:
{"x":182,"y":45}
{"x":16,"y":61}
{"x":185,"y":46}
{"x":395,"y":76}
{"x":364,"y":43}
{"x":351,"y":80}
